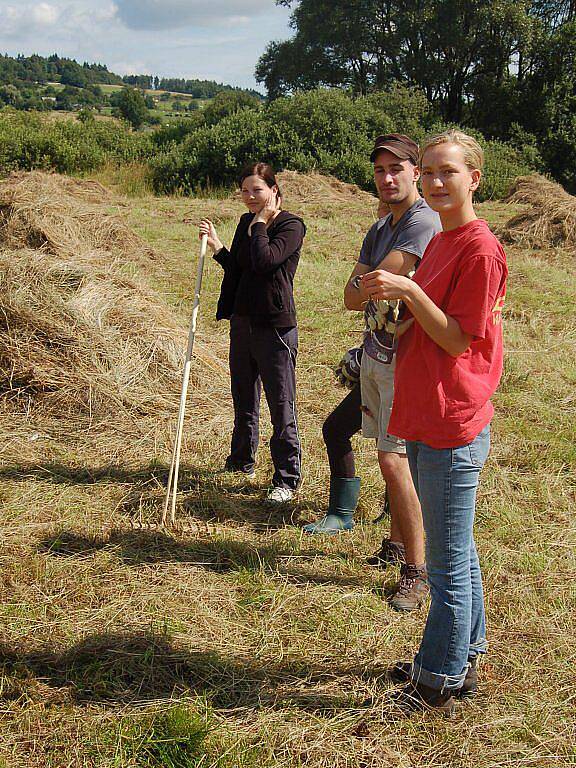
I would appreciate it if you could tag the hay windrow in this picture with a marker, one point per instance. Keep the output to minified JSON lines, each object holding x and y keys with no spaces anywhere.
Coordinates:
{"x":325,"y":195}
{"x":65,"y":217}
{"x":549,"y":220}
{"x":83,"y":347}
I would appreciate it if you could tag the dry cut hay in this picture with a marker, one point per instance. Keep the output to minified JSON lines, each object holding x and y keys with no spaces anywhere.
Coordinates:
{"x":325,"y":194}
{"x":550,"y":219}
{"x":63,"y":216}
{"x":83,"y":347}
{"x":303,"y":193}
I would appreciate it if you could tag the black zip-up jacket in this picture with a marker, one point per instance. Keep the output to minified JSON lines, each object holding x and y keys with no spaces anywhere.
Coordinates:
{"x":259,"y":271}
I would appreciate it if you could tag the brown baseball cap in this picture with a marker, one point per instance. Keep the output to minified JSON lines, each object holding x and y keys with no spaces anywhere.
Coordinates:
{"x":400,"y":145}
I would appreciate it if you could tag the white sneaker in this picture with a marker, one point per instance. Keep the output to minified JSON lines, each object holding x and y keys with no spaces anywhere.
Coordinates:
{"x":278,"y":495}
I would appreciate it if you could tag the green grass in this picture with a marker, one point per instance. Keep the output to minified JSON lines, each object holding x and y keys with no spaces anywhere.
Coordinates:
{"x":162,"y":108}
{"x":238,"y":643}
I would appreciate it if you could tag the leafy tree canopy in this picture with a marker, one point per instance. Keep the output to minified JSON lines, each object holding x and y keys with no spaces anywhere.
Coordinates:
{"x":441,"y":46}
{"x":131,"y":105}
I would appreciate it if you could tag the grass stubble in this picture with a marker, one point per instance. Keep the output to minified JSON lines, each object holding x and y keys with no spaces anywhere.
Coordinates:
{"x":235,"y":641}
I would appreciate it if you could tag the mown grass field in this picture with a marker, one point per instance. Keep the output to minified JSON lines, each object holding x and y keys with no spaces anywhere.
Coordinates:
{"x":164,"y":100}
{"x":237,"y":643}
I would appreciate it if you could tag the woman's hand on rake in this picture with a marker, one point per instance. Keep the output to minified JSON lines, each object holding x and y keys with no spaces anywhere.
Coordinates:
{"x":207,"y":228}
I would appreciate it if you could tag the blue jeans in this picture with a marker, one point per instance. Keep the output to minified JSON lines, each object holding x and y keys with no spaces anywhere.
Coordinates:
{"x":446,"y":480}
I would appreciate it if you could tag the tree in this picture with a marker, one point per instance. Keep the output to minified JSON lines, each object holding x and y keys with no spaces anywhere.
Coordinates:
{"x":554,"y":12}
{"x":293,"y":65}
{"x":86,"y":116}
{"x":141,"y":81}
{"x":443,"y":47}
{"x":227,"y":103}
{"x":131,"y":106}
{"x":10,"y":95}
{"x":548,"y":100}
{"x":70,"y":98}
{"x":73,"y":74}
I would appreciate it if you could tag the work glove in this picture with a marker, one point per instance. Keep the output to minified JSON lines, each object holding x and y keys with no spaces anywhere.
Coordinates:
{"x":382,"y":314}
{"x":348,"y":369}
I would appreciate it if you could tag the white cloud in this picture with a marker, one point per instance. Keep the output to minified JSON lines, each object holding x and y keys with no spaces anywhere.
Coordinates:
{"x":25,"y":17}
{"x":44,"y":14}
{"x":206,"y":39}
{"x":233,"y":20}
{"x":39,"y":19}
{"x":139,"y":67}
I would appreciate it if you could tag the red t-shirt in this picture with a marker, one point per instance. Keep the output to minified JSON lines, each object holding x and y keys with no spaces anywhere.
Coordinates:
{"x":441,"y":400}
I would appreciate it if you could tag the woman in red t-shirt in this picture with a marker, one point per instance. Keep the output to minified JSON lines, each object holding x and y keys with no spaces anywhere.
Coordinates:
{"x":449,"y":363}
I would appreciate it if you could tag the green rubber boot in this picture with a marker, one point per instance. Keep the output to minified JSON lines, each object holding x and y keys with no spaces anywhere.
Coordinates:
{"x":344,"y":493}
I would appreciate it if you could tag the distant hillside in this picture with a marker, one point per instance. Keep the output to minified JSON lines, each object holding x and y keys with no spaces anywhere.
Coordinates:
{"x":25,"y":72}
{"x":198,"y":89}
{"x":33,"y":70}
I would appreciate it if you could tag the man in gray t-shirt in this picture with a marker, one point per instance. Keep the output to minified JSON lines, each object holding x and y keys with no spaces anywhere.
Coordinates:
{"x":395,"y":243}
{"x":410,"y":234}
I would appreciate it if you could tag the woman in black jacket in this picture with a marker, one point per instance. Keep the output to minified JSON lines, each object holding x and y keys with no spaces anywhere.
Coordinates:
{"x":257,"y":297}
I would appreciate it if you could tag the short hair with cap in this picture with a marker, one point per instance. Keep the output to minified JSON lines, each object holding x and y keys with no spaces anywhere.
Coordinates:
{"x":400,"y":145}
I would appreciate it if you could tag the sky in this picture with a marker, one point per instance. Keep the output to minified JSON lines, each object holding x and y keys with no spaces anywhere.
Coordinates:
{"x":206,"y":39}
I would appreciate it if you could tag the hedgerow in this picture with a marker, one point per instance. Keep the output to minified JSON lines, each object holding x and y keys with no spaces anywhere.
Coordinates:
{"x":69,"y":146}
{"x":321,"y":130}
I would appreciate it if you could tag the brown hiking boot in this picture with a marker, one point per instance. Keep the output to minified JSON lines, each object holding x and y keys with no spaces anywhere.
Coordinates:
{"x":389,"y":553}
{"x":412,"y":589}
{"x":401,"y":672}
{"x":417,"y":697}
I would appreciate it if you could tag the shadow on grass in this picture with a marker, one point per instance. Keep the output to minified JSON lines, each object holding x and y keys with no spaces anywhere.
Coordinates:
{"x":125,"y":667}
{"x":65,"y":474}
{"x":139,"y":547}
{"x":204,"y":495}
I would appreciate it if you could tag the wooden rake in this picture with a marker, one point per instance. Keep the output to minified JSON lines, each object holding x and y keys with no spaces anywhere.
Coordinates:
{"x":172,"y":490}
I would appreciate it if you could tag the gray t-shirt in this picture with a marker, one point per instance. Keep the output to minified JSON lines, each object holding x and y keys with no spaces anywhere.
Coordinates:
{"x":411,"y":234}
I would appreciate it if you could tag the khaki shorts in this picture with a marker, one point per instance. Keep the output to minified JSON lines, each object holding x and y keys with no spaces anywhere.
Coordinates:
{"x":377,"y":389}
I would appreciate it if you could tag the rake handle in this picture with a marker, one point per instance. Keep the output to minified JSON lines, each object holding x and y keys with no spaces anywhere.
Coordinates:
{"x":172,"y":489}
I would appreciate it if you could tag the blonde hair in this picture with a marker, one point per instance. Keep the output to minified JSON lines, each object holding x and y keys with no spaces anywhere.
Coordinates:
{"x":472,"y":151}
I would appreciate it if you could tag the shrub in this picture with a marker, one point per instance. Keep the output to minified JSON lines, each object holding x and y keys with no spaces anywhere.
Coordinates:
{"x":503,"y":164}
{"x":324,"y":130}
{"x":325,"y":120}
{"x":51,"y":148}
{"x":227,"y":103}
{"x":130,"y":104}
{"x":176,"y":131}
{"x":319,"y":130}
{"x":213,"y":155}
{"x":27,"y":142}
{"x":398,"y":110}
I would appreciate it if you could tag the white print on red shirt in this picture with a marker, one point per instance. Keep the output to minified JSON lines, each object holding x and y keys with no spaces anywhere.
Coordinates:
{"x":497,"y":310}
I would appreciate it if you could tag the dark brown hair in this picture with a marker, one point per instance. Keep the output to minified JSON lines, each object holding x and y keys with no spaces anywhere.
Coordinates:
{"x":263,"y":171}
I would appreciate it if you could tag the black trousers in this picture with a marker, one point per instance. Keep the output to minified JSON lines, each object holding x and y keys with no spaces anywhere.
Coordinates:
{"x":261,"y":355}
{"x":344,"y":421}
